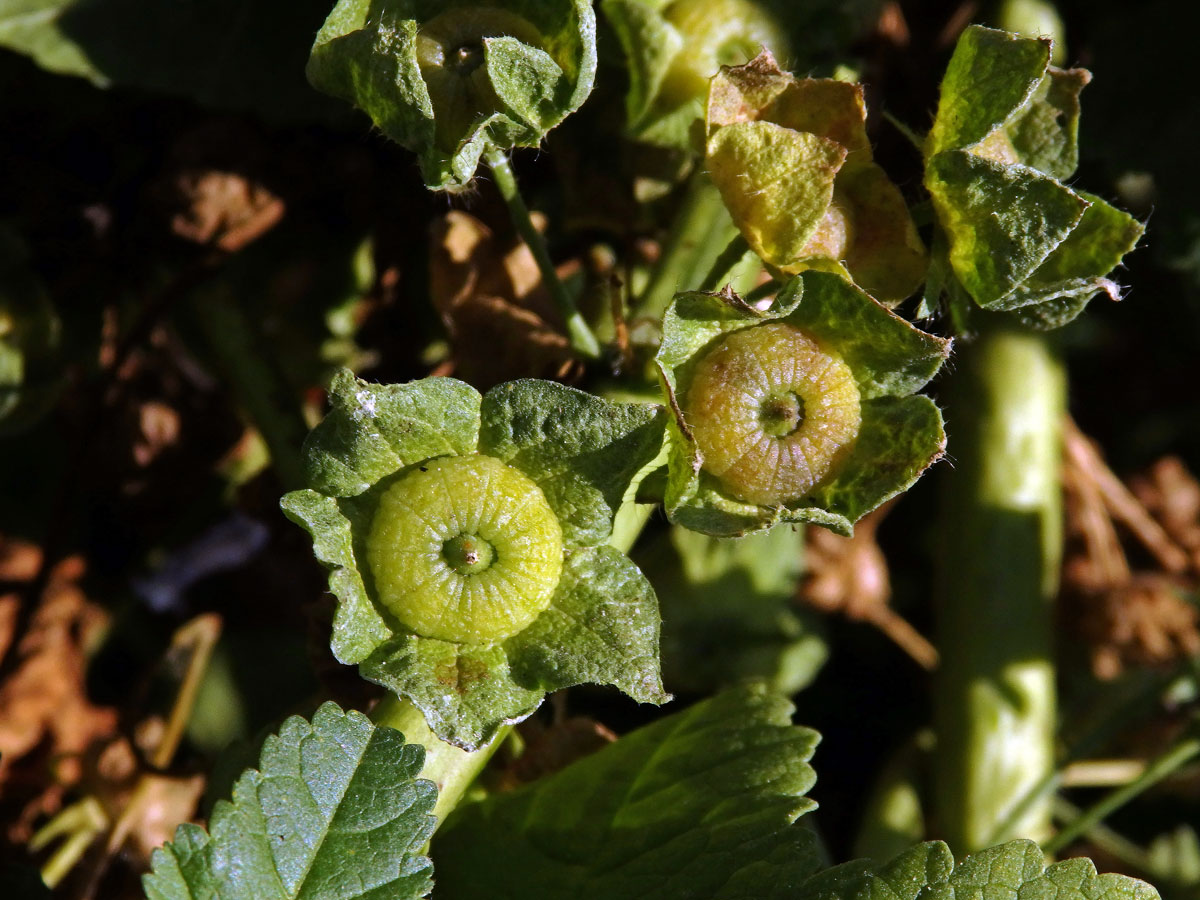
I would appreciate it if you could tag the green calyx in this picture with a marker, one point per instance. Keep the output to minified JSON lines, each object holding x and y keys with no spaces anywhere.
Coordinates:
{"x":674,"y":48}
{"x":452,"y":80}
{"x":806,"y":412}
{"x":1004,"y":141}
{"x":794,"y":167}
{"x":466,"y":538}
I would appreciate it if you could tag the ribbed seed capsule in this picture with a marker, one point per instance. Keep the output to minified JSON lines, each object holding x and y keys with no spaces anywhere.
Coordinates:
{"x":773,"y":412}
{"x":465,"y":549}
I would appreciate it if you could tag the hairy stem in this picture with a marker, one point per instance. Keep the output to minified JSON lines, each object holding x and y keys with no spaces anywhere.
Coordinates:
{"x":451,"y":768}
{"x":1001,"y":550}
{"x":583,"y":341}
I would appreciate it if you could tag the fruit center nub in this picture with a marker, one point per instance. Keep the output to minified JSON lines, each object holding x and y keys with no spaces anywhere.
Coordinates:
{"x":466,"y":58}
{"x":781,"y":413}
{"x":468,"y":554}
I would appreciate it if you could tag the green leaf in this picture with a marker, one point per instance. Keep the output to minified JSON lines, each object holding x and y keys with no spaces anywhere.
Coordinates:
{"x":234,"y":54}
{"x":729,"y":612}
{"x":1003,"y":222}
{"x":674,"y":809}
{"x":358,"y":625}
{"x":777,"y":184}
{"x":527,"y":65}
{"x":991,"y":74}
{"x":335,"y":810}
{"x":602,"y":628}
{"x":672,"y":48}
{"x":899,"y":439}
{"x":889,"y":360}
{"x":374,"y":430}
{"x":582,"y":450}
{"x":1015,"y":869}
{"x":889,"y":356}
{"x":465,"y":692}
{"x":1044,"y":132}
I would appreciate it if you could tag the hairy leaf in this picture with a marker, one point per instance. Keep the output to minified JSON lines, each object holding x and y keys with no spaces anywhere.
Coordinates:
{"x":334,"y":810}
{"x":675,"y":809}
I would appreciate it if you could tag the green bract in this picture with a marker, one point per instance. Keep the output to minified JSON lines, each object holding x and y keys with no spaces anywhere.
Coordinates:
{"x":450,"y":79}
{"x":1003,"y":141}
{"x":794,"y":166}
{"x":673,"y":48}
{"x":467,"y":541}
{"x":801,"y":413}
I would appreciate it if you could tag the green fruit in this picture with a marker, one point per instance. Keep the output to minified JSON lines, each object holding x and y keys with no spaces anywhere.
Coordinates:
{"x":716,"y":33}
{"x":773,"y":412}
{"x":465,"y":549}
{"x":450,"y":53}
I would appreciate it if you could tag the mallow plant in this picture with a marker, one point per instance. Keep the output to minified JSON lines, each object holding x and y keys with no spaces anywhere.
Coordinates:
{"x":479,"y":545}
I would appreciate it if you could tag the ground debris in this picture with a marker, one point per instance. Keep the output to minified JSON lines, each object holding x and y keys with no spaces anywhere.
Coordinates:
{"x":850,"y":576}
{"x":1126,"y":616}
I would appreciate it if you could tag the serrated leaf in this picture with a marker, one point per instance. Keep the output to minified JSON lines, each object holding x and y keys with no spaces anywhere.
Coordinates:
{"x":582,"y":450}
{"x":672,"y":810}
{"x":887,"y":357}
{"x":1010,"y":66}
{"x":335,"y":810}
{"x":1016,"y":869}
{"x":729,"y":611}
{"x":1003,"y":222}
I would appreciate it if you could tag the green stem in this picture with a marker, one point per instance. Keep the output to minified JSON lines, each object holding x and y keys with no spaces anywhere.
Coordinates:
{"x":701,"y":230}
{"x":583,"y":341}
{"x":995,"y":697}
{"x":451,"y":768}
{"x":1182,"y":752}
{"x":722,"y":267}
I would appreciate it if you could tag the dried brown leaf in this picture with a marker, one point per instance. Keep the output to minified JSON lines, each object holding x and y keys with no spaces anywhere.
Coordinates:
{"x":223,"y":209}
{"x":494,"y":308}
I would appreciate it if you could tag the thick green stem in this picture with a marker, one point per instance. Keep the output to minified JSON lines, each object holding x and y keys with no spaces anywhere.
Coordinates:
{"x":1001,"y":550}
{"x":583,"y":341}
{"x":701,"y":230}
{"x":451,"y":768}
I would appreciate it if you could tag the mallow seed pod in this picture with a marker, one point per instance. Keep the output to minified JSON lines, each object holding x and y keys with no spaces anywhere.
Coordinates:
{"x":804,"y":412}
{"x":774,"y":413}
{"x":467,"y":539}
{"x":465,"y":549}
